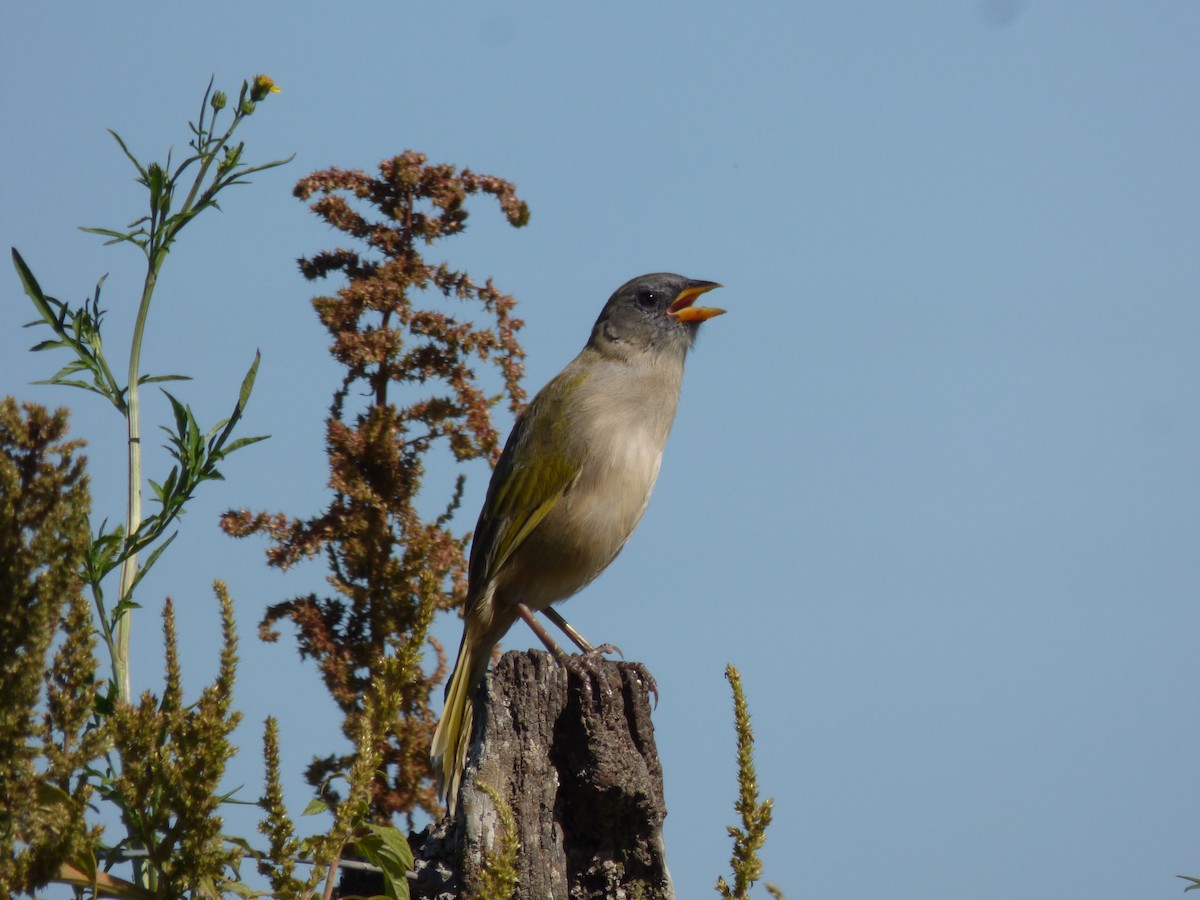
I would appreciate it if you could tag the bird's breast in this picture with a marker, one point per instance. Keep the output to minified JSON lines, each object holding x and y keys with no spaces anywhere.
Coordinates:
{"x":619,"y":447}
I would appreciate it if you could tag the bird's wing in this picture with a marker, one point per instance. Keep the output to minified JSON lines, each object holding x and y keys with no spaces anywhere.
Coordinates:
{"x":534,"y":473}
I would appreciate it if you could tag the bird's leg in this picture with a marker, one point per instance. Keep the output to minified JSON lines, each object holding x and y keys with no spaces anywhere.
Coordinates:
{"x":578,"y":639}
{"x":542,"y":634}
{"x":583,"y":665}
{"x":591,"y":654}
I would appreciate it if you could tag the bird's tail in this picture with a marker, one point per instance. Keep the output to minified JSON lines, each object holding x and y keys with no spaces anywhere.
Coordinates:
{"x":452,"y":739}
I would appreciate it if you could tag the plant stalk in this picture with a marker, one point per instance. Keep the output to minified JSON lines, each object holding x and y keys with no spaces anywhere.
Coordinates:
{"x":133,"y":510}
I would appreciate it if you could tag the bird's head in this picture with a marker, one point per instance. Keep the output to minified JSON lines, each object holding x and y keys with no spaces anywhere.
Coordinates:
{"x":653,"y":312}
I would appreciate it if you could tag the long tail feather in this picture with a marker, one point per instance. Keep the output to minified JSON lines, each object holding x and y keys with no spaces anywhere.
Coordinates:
{"x":452,"y":739}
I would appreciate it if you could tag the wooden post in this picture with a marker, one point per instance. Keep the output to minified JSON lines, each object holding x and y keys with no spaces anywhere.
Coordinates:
{"x":581,"y":776}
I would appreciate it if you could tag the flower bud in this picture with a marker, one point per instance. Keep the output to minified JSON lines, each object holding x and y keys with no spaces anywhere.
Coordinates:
{"x":218,"y":100}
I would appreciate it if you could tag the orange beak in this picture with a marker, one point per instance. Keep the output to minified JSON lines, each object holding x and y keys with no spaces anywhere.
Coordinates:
{"x":682,"y":308}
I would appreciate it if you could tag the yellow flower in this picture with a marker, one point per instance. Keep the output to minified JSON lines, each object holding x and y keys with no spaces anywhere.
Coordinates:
{"x":263,"y":85}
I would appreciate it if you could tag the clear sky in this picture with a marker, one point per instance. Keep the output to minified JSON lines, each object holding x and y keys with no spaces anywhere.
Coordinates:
{"x":933,"y":485}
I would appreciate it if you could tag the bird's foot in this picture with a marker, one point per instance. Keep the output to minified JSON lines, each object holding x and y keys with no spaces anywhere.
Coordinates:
{"x":602,"y":651}
{"x":589,"y":668}
{"x":640,"y":670}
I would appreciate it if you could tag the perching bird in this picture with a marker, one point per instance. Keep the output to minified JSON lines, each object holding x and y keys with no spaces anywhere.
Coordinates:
{"x":572,"y":483}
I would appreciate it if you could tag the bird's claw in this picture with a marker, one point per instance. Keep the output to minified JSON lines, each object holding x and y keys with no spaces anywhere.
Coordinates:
{"x":588,"y":667}
{"x":603,"y":650}
{"x":640,"y":670}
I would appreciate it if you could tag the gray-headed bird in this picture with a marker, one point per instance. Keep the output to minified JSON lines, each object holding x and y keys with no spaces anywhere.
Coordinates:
{"x":572,"y":483}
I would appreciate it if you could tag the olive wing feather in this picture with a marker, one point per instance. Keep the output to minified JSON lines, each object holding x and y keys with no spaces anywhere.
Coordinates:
{"x":535,"y":471}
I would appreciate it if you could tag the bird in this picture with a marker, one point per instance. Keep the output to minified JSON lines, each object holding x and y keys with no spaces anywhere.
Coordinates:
{"x":571,"y":485}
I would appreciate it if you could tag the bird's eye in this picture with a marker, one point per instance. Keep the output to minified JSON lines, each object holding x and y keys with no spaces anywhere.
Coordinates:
{"x":647,"y":299}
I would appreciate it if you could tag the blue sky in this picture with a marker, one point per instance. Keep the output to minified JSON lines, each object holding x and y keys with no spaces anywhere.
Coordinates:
{"x":933,"y":484}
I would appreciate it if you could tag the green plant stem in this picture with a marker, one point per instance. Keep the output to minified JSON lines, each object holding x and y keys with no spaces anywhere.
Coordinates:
{"x":156,"y":253}
{"x":133,"y":510}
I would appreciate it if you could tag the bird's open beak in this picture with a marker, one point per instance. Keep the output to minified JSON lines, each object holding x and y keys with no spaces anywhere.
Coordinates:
{"x":682,"y":308}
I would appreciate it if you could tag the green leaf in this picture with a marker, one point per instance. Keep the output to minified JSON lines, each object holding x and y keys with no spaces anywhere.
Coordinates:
{"x":72,"y":383}
{"x":250,"y":170}
{"x":243,"y":398}
{"x":51,"y":795}
{"x":244,"y":442}
{"x":150,"y":561}
{"x":132,"y":158}
{"x":315,"y":807}
{"x":45,"y":345}
{"x":122,"y":608}
{"x":106,"y":702}
{"x":78,"y":365}
{"x":104,"y":555}
{"x":32,"y":289}
{"x":248,"y":380}
{"x":241,"y":889}
{"x":164,"y":492}
{"x":86,"y":863}
{"x":386,"y":847}
{"x":115,"y":237}
{"x":155,"y":379}
{"x":241,"y":842}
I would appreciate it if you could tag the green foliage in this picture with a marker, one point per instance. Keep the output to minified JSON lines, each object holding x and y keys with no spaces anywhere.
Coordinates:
{"x":43,"y":535}
{"x":386,"y":847}
{"x":69,"y":747}
{"x":214,"y":165}
{"x":171,"y":761}
{"x":158,"y":763}
{"x":755,"y":816}
{"x":353,"y":831}
{"x":155,"y":232}
{"x":278,"y":864}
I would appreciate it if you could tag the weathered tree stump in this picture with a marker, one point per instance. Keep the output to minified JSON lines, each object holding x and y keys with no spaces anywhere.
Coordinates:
{"x":581,"y":776}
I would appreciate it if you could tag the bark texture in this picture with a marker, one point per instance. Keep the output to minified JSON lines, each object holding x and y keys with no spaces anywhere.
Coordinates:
{"x":581,"y":775}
